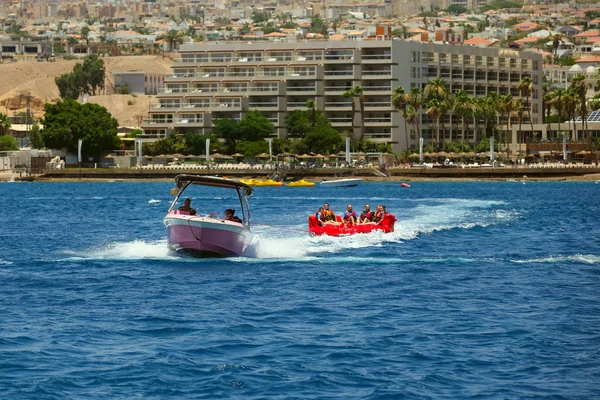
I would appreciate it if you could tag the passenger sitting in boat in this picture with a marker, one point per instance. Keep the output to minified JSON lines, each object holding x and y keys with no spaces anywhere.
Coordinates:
{"x":379,"y":214}
{"x":366,"y":217}
{"x":349,"y":216}
{"x":328,"y":216}
{"x":319,"y":215}
{"x":186,"y":207}
{"x":230,"y":217}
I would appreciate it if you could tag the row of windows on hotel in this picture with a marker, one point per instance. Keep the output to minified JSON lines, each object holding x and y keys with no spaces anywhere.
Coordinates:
{"x":273,"y":56}
{"x":465,"y":59}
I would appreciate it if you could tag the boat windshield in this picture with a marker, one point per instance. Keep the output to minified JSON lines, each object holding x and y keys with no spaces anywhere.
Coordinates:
{"x":211,"y":197}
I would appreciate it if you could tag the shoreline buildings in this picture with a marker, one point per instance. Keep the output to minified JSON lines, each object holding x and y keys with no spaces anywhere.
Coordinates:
{"x":215,"y":80}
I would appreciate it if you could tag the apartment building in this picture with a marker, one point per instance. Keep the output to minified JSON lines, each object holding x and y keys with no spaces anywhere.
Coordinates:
{"x":222,"y":80}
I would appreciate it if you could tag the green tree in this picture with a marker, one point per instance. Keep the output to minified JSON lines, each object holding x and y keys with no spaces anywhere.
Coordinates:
{"x":456,"y":9}
{"x":400,"y":103}
{"x":434,"y":110}
{"x":312,"y":106}
{"x":85,"y":32}
{"x":259,"y":16}
{"x":463,"y":106}
{"x":4,"y":124}
{"x":8,"y":143}
{"x":254,"y":126}
{"x":68,"y":121}
{"x":36,"y":137}
{"x":350,"y":95}
{"x":323,"y":139}
{"x":251,"y":149}
{"x":196,"y":143}
{"x":580,"y":87}
{"x":526,"y":89}
{"x":93,"y":68}
{"x":85,"y":78}
{"x":228,"y":129}
{"x":415,"y":100}
{"x":318,"y":25}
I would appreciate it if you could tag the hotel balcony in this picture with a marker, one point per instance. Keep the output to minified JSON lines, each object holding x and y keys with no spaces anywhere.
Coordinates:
{"x":295,"y":75}
{"x":226,"y":104}
{"x":164,"y":107}
{"x":377,"y":89}
{"x":338,"y":105}
{"x":257,"y":91}
{"x":379,"y":121}
{"x":378,"y":106}
{"x":339,"y":57}
{"x":341,"y":122}
{"x":154,"y":123}
{"x":264,"y":105}
{"x":298,"y":90}
{"x":189,"y":122}
{"x":377,"y":74}
{"x":336,"y":90}
{"x":379,"y":58}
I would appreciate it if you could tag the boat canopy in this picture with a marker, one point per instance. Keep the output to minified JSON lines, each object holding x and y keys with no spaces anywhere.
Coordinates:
{"x":184,"y":180}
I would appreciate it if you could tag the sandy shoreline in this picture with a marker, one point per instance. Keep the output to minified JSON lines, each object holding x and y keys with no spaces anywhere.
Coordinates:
{"x":586,"y":178}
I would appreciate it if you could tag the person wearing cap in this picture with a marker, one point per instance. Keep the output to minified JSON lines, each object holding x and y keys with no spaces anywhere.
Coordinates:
{"x":230,"y":217}
{"x":186,"y":207}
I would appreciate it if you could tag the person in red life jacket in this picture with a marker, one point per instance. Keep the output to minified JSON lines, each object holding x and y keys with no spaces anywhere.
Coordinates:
{"x":379,"y":214}
{"x":366,"y":217}
{"x":230,"y":217}
{"x":328,"y":215}
{"x":320,"y":216}
{"x":349,"y":216}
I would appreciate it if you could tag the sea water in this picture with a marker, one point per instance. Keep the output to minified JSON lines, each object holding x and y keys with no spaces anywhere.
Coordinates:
{"x":484,"y":290}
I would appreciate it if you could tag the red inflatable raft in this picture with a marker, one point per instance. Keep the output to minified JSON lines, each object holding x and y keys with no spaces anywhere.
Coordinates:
{"x":386,"y":225}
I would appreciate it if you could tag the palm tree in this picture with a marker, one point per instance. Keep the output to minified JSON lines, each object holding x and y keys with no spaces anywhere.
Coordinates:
{"x":311,"y":105}
{"x":547,"y":105}
{"x":526,"y":88}
{"x":350,"y":94}
{"x":436,"y":89}
{"x":463,"y":106}
{"x":571,"y":99}
{"x":507,"y":106}
{"x":4,"y":124}
{"x":400,"y":103}
{"x":558,"y":102}
{"x":434,"y":110}
{"x":519,"y":108}
{"x":358,"y":92}
{"x":415,"y":100}
{"x":580,"y":89}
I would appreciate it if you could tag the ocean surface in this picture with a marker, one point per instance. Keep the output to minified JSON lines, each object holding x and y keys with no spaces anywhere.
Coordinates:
{"x":486,"y":290}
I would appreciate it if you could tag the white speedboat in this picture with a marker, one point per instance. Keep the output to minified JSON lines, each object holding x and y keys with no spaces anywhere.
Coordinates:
{"x":342,"y":182}
{"x":202,"y":234}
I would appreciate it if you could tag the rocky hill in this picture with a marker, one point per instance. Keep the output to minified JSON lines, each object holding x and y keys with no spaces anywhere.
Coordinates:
{"x":36,"y":79}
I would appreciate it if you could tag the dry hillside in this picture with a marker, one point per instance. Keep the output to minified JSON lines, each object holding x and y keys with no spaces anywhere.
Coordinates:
{"x":37,"y":78}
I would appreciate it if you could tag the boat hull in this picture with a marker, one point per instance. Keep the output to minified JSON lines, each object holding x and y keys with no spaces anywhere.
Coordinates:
{"x":342,"y":182}
{"x":386,"y":226}
{"x":206,"y":237}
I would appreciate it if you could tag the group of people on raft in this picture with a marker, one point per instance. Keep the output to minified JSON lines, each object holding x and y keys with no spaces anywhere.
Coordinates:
{"x":326,"y":216}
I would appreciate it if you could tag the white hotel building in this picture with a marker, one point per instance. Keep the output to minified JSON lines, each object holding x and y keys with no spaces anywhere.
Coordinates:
{"x":223,"y":80}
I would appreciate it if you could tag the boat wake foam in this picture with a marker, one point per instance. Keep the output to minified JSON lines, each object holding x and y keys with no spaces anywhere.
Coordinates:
{"x":134,"y":250}
{"x":293,"y":242}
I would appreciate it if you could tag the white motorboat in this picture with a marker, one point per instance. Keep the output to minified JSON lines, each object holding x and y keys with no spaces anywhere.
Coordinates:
{"x":342,"y":182}
{"x":203,"y":234}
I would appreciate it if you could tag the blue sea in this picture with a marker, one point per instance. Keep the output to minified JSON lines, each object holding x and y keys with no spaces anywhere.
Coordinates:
{"x":486,"y":290}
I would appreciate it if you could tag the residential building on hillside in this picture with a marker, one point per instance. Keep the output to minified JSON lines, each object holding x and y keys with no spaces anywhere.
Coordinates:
{"x":211,"y":81}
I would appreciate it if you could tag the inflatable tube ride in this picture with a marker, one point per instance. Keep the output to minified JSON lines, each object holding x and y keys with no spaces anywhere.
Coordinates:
{"x":386,"y":225}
